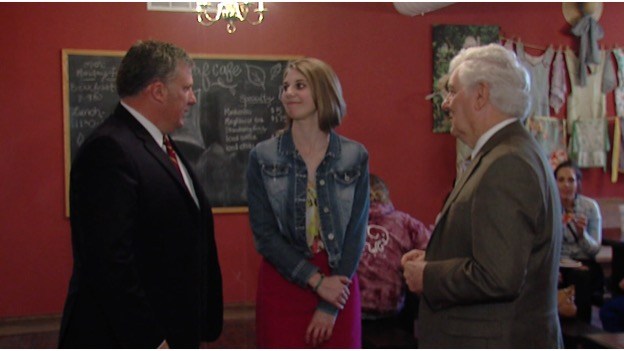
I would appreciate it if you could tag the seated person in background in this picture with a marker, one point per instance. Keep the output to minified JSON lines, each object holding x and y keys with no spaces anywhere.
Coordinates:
{"x":612,"y":312}
{"x":582,"y":239}
{"x":390,"y":234}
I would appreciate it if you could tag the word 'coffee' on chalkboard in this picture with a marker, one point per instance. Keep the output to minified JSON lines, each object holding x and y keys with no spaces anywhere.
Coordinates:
{"x":237,"y":106}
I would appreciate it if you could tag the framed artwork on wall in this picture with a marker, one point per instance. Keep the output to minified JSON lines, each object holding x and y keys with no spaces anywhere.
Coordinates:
{"x":448,"y":40}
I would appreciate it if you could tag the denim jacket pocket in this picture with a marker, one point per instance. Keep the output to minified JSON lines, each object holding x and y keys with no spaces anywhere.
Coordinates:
{"x":345,"y":183}
{"x":275,"y":170}
{"x":347,"y":177}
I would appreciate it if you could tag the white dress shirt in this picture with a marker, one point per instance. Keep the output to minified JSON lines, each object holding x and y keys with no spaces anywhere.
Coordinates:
{"x":158,"y":138}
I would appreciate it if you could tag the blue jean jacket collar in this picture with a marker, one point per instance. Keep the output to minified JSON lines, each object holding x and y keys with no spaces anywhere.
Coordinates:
{"x":286,"y":145}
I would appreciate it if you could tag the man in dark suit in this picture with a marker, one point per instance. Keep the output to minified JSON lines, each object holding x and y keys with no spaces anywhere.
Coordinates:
{"x":488,"y":278}
{"x":146,"y":272}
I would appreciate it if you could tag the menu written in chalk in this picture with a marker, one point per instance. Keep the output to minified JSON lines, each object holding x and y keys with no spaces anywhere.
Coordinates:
{"x":237,"y":106}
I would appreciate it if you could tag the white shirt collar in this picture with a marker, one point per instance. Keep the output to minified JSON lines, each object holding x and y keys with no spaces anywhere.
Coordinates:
{"x":488,"y":135}
{"x":147,"y":124}
{"x":158,"y":137}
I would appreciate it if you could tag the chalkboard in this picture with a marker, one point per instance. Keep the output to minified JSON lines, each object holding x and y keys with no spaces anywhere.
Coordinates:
{"x":237,"y":107}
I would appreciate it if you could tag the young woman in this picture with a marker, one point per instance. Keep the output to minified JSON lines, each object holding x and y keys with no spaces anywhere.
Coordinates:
{"x":581,"y":215}
{"x":308,"y":194}
{"x":582,"y":238}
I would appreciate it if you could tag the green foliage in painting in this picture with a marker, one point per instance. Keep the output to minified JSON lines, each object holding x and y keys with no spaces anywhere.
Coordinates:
{"x":448,"y":40}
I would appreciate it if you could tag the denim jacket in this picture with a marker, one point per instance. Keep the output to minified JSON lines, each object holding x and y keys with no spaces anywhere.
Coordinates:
{"x":276,"y":190}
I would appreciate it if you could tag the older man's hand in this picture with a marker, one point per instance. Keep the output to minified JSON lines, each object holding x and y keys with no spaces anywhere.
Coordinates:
{"x":413,"y":270}
{"x":413,"y":255}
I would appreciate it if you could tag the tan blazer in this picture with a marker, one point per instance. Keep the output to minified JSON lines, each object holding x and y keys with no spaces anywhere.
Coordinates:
{"x":491,"y":277}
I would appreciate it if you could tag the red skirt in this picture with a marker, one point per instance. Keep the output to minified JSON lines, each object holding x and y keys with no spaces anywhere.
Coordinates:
{"x":284,"y":311}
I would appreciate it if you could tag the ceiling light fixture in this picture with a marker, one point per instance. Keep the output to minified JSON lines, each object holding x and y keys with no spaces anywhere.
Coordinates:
{"x":231,"y":12}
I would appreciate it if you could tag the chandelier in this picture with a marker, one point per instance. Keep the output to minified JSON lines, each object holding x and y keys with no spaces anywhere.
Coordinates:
{"x":229,"y":11}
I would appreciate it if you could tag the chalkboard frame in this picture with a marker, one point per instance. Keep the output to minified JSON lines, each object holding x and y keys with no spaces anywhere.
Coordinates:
{"x":66,"y":53}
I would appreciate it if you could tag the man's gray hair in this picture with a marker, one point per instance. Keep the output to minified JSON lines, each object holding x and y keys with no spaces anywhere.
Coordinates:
{"x":499,"y":68}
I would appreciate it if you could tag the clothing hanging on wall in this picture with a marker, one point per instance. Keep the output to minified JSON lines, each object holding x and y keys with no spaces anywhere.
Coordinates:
{"x":589,"y":143}
{"x":619,"y":91}
{"x":558,"y":84}
{"x":539,"y":69}
{"x":589,"y":31}
{"x":585,"y":102}
{"x":550,"y":133}
{"x":617,"y":158}
{"x":509,"y":45}
{"x":609,"y":78}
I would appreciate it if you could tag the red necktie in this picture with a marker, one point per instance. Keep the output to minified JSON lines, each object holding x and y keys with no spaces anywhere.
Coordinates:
{"x":171,"y":153}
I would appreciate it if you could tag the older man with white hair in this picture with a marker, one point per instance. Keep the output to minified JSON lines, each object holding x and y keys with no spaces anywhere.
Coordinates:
{"x":488,"y":278}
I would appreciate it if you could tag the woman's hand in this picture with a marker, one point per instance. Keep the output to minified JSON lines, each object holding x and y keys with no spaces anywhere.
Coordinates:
{"x":333,"y":289}
{"x":580,"y":222}
{"x":320,"y":328}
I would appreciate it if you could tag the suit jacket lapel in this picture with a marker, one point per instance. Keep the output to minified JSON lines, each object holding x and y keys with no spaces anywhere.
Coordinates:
{"x":462,"y":181}
{"x":199,"y":192}
{"x":496,"y":139}
{"x":155,"y":150}
{"x":158,"y":153}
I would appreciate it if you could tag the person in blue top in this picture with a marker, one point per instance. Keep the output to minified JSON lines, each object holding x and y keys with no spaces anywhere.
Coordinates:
{"x":308,"y":207}
{"x":582,"y":239}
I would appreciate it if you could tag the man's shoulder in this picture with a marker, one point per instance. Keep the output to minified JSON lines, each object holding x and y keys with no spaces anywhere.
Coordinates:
{"x":113,"y":135}
{"x":106,"y":133}
{"x":517,"y":142}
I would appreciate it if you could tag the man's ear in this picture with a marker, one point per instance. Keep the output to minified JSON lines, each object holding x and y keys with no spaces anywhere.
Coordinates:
{"x":157,"y":91}
{"x":482,"y":95}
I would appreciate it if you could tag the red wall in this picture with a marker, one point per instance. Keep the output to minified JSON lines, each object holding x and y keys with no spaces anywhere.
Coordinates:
{"x":384,"y":62}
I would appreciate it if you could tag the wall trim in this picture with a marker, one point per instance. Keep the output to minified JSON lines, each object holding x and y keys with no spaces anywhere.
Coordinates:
{"x":52,"y":322}
{"x":30,"y":324}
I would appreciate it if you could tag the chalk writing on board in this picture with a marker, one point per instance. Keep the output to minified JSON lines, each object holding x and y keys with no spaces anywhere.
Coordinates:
{"x":92,"y":94}
{"x":237,"y":107}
